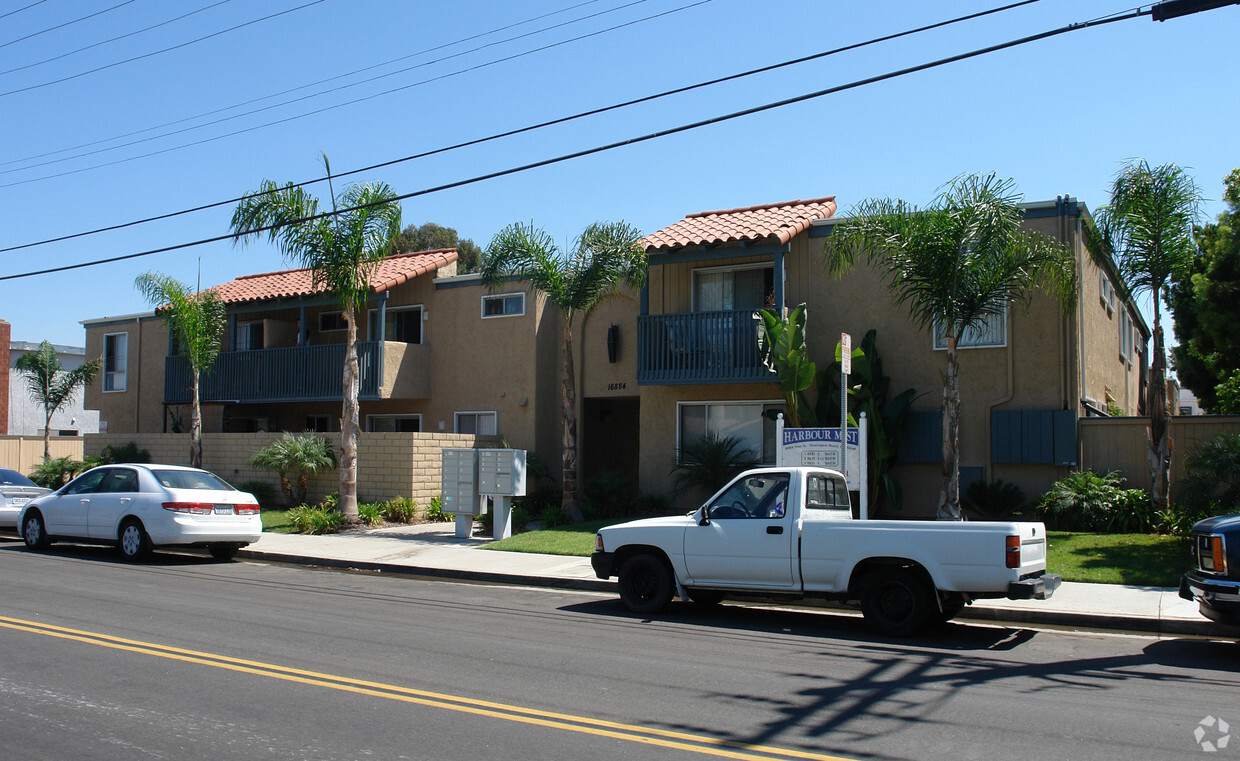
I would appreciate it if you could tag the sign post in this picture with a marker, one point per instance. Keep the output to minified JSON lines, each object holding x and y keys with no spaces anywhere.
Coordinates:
{"x":845,"y":371}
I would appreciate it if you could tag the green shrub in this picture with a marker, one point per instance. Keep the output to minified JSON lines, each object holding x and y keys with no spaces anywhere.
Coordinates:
{"x":1178,"y":518}
{"x":1081,"y":501}
{"x":264,"y":492}
{"x":707,"y":463}
{"x":370,"y":513}
{"x":606,"y":495}
{"x":1133,"y":513}
{"x":647,"y":505}
{"x":1211,"y":483}
{"x":296,"y":457}
{"x":111,"y":455}
{"x":331,"y":501}
{"x":487,"y":520}
{"x":56,"y":472}
{"x":552,"y":516}
{"x":400,"y":510}
{"x":315,"y":520}
{"x":520,"y":519}
{"x":995,"y":500}
{"x":434,"y":510}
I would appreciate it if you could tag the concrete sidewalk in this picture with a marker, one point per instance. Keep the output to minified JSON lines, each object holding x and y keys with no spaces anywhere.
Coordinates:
{"x":432,"y":549}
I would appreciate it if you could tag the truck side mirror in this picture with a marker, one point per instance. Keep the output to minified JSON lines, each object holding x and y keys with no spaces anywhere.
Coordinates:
{"x":704,"y":518}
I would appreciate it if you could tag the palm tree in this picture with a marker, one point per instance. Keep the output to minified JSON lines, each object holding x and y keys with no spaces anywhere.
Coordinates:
{"x":302,"y":454}
{"x":342,"y":248}
{"x":604,"y":257}
{"x":51,"y":386}
{"x":197,"y":322}
{"x":954,"y":264}
{"x":1147,"y":230}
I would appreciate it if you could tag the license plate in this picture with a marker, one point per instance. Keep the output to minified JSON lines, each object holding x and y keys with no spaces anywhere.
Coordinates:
{"x":223,"y":509}
{"x":16,"y":501}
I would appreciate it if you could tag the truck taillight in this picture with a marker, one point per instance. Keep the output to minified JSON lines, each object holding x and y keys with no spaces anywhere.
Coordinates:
{"x":1013,"y":552}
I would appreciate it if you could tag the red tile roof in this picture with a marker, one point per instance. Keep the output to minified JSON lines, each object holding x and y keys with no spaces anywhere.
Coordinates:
{"x":390,"y":273}
{"x":774,"y":220}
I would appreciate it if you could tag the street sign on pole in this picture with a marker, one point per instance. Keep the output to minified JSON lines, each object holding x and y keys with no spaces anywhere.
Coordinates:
{"x":845,"y":353}
{"x":845,"y":371}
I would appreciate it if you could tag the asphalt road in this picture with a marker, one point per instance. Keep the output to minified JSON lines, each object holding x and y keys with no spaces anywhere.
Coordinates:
{"x":186,"y":658}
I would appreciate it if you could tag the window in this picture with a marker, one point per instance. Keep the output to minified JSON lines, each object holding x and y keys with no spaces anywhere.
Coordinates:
{"x":1106,"y":292}
{"x":331,"y":321}
{"x":991,"y":333}
{"x":761,"y":496}
{"x":86,"y":484}
{"x":401,"y":324}
{"x":480,"y":423}
{"x":503,"y":305}
{"x":119,"y":480}
{"x":318,"y":423}
{"x":722,"y":288}
{"x":249,"y":336}
{"x":746,"y":421}
{"x":1125,"y":336}
{"x":115,"y":361}
{"x":394,"y":423}
{"x":826,"y":493}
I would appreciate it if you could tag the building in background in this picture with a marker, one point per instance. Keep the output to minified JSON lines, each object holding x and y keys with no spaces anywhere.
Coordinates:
{"x":21,"y":415}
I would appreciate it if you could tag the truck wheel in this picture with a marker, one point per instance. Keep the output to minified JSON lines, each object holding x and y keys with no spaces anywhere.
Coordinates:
{"x":951,"y":604}
{"x":896,"y":602}
{"x":645,"y":584}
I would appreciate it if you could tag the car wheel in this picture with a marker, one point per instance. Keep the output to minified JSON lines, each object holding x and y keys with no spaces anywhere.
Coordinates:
{"x":705,"y":596}
{"x":896,"y":602}
{"x":645,"y":584}
{"x":134,"y":542}
{"x":34,"y":532}
{"x":223,"y":551}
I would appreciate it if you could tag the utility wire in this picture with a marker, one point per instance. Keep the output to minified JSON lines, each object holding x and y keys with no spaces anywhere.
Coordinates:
{"x":612,"y":146}
{"x":324,"y":109}
{"x":302,"y":98}
{"x":61,"y":26}
{"x":158,"y":52}
{"x":299,"y":87}
{"x":114,"y":39}
{"x":25,"y":8}
{"x":541,"y":125}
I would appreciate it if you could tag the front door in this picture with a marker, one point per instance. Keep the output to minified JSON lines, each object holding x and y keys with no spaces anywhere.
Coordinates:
{"x":65,"y":514}
{"x":748,"y":540}
{"x":113,"y":498}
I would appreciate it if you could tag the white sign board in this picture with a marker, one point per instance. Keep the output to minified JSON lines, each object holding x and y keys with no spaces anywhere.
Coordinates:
{"x":820,"y":448}
{"x":845,"y":354}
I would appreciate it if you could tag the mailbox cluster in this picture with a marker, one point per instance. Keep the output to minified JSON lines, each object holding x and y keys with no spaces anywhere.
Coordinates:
{"x":468,"y":475}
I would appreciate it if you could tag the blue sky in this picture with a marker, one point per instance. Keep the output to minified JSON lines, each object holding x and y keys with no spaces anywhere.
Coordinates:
{"x":1059,"y":116}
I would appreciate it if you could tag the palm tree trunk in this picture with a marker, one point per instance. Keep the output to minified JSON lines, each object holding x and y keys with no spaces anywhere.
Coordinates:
{"x":568,"y":406}
{"x":1159,"y":456}
{"x":47,"y":433}
{"x":949,"y":492}
{"x":349,"y":423}
{"x":195,"y":427}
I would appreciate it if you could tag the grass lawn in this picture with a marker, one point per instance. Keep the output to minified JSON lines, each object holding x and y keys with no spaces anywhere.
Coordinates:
{"x":1138,"y":559}
{"x":576,"y":539}
{"x":276,"y":521}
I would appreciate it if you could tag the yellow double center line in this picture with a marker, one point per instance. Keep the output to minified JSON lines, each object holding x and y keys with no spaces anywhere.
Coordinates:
{"x":567,"y":722}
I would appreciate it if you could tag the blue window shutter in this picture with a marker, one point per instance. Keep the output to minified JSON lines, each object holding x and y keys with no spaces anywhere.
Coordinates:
{"x":922,"y":440}
{"x":1064,"y":438}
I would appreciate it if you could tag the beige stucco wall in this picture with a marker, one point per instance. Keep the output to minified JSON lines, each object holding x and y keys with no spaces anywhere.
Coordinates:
{"x":140,"y":406}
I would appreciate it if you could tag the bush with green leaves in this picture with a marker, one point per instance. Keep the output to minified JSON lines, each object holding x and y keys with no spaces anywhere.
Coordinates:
{"x":434,"y":510}
{"x":707,"y":463}
{"x":552,"y":516}
{"x":1081,"y":501}
{"x":55,"y":472}
{"x":315,"y":520}
{"x":296,"y":457}
{"x":370,"y":513}
{"x":111,"y":455}
{"x":400,"y":510}
{"x":994,"y":500}
{"x":1212,"y":476}
{"x":606,"y":494}
{"x":647,"y":505}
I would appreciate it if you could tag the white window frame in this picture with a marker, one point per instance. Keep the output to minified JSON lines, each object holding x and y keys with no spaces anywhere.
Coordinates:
{"x":456,"y":420}
{"x":110,"y":376}
{"x":693,"y":289}
{"x":338,"y":315}
{"x":502,"y":297}
{"x":727,"y":402}
{"x":372,"y":322}
{"x":1126,"y":343}
{"x":1106,"y":292}
{"x":971,"y":338}
{"x":370,"y":428}
{"x":243,"y":328}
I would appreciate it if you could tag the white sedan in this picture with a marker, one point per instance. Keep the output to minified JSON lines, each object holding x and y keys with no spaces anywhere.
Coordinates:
{"x":139,"y":507}
{"x":15,"y":491}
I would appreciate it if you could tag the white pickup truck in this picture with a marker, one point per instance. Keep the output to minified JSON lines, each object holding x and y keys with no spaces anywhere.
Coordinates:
{"x":789,"y":532}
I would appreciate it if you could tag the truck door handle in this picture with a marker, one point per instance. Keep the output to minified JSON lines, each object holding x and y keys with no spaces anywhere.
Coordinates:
{"x":774,"y":529}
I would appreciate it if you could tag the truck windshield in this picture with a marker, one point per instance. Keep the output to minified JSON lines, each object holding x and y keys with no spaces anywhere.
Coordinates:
{"x":759,"y":496}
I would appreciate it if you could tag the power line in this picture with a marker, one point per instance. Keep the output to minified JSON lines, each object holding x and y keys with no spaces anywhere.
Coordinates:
{"x":61,"y":26}
{"x":299,"y":87}
{"x":114,"y":39}
{"x":25,"y":8}
{"x":541,"y":125}
{"x":158,"y":52}
{"x":302,"y":98}
{"x":623,"y":143}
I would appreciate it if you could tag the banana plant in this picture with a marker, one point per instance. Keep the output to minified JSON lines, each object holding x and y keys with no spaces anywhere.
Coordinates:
{"x":781,"y":345}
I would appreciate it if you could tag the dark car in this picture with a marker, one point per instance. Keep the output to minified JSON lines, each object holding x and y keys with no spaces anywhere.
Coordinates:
{"x":15,"y":491}
{"x":1215,"y":581}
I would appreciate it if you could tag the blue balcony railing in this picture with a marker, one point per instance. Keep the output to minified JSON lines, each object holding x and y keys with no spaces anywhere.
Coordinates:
{"x":294,"y":373}
{"x":700,"y":347}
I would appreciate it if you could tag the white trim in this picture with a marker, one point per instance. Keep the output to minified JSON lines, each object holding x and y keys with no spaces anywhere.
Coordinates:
{"x":395,"y":416}
{"x":497,"y":296}
{"x":456,"y":420}
{"x":706,"y":402}
{"x":124,"y":372}
{"x":372,"y":320}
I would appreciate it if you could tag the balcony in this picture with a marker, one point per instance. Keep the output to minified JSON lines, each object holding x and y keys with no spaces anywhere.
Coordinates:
{"x":294,"y":373}
{"x":700,"y":347}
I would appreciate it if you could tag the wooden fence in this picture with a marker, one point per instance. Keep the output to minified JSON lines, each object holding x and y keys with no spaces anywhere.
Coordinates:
{"x":23,"y":453}
{"x":1121,"y":443}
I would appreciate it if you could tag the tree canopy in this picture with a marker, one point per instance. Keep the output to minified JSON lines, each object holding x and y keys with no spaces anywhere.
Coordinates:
{"x":1205,"y":304}
{"x":432,"y":235}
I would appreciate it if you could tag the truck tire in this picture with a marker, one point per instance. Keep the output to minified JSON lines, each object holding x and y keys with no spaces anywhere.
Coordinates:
{"x":950,"y":606}
{"x":896,"y":602}
{"x":645,"y":584}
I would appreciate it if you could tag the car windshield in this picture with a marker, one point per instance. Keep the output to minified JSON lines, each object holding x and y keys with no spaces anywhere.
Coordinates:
{"x":191,"y":479}
{"x":13,"y":478}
